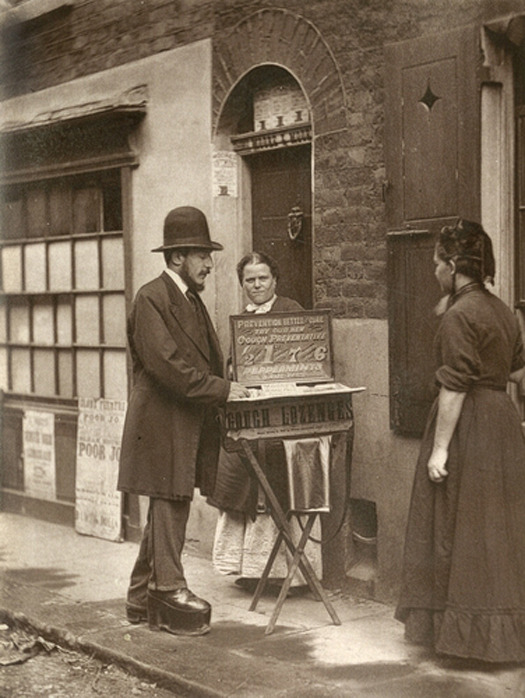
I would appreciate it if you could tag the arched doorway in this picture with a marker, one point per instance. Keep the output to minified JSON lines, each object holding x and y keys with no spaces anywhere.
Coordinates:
{"x":266,"y":122}
{"x":299,"y":55}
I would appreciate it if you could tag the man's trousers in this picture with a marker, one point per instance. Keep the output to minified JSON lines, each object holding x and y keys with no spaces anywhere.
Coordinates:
{"x":158,"y":565}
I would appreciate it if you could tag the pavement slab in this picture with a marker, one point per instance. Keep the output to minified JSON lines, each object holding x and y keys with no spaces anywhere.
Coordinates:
{"x":71,"y":589}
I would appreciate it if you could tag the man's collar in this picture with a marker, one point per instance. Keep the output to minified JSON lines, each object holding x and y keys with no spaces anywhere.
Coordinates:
{"x":183,"y":286}
{"x":262,"y":308}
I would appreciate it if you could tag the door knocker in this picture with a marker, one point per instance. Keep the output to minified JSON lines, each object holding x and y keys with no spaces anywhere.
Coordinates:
{"x":295,"y":223}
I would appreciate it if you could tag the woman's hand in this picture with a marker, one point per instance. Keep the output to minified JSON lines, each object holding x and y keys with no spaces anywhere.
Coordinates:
{"x":518,"y":377}
{"x":437,"y":471}
{"x":450,"y":404}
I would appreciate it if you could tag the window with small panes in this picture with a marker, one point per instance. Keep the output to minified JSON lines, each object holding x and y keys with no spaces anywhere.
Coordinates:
{"x":62,"y":329}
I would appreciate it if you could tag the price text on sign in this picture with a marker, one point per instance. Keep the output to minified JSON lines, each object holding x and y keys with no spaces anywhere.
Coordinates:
{"x":282,"y":347}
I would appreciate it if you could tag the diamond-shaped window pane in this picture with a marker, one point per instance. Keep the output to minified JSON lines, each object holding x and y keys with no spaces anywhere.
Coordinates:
{"x":429,"y":98}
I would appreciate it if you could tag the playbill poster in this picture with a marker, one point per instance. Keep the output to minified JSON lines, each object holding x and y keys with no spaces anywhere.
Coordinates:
{"x":98,"y":503}
{"x":224,"y":173}
{"x":39,"y":454}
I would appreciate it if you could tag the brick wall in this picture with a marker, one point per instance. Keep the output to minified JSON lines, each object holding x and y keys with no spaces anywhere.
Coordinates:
{"x":94,"y":35}
{"x":348,"y":208}
{"x":349,"y":217}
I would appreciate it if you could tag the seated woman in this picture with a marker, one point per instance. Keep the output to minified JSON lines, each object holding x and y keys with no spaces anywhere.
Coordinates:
{"x":245,"y":531}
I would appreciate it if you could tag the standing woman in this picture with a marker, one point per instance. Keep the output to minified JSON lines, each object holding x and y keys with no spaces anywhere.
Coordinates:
{"x":463,"y":589}
{"x":245,"y":531}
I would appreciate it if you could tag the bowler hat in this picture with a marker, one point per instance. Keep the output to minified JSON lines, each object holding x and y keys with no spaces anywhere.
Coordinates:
{"x":186,"y":226}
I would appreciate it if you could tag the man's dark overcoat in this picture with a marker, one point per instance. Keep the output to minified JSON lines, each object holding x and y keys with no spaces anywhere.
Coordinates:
{"x":171,"y":434}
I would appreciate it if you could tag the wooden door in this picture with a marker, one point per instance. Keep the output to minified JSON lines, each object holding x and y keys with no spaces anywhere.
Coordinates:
{"x":281,"y":180}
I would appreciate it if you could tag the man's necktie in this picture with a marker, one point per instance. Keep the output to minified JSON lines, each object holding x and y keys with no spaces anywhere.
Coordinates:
{"x":196,"y":305}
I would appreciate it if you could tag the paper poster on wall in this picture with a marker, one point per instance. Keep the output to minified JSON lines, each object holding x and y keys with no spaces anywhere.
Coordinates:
{"x":38,"y":434}
{"x":224,"y":173}
{"x":98,"y":504}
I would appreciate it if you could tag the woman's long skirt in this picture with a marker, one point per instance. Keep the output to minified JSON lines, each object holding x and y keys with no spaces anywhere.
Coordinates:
{"x":463,"y":588}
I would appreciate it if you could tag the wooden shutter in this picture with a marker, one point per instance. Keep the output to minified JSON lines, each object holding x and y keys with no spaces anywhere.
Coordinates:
{"x":412,"y":325}
{"x":432,"y":154}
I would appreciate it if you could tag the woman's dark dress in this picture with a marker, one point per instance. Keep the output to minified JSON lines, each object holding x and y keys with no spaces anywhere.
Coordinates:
{"x":463,"y":584}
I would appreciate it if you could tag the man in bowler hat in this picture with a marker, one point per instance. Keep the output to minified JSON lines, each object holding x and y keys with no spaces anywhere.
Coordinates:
{"x":171,"y":438}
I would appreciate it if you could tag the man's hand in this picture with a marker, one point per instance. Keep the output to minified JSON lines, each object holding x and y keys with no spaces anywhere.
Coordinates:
{"x":436,"y":464}
{"x":238,"y":392}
